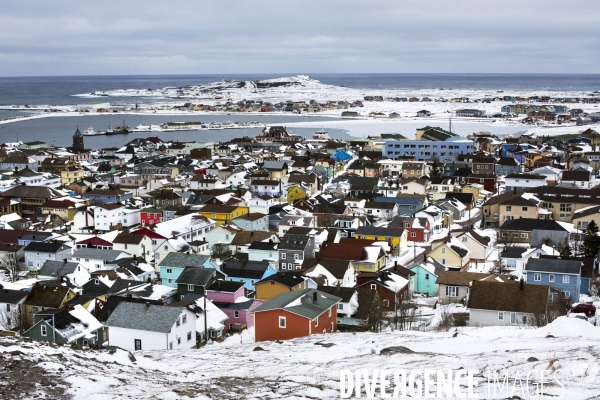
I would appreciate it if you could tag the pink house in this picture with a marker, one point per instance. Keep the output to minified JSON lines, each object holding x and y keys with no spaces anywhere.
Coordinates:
{"x":229,"y":297}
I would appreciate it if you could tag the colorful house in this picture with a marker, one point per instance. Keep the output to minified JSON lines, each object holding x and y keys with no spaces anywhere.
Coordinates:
{"x":223,"y":214}
{"x":296,"y":314}
{"x":425,"y":277}
{"x":248,"y":272}
{"x":395,"y":237}
{"x":296,"y":192}
{"x":173,"y":265}
{"x":289,"y":281}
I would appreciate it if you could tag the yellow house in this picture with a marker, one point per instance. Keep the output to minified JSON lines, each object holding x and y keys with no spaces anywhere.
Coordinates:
{"x":396,"y":237}
{"x":296,"y":192}
{"x":452,"y":254}
{"x":278,"y":283}
{"x":531,"y":158}
{"x":71,"y":175}
{"x":477,"y":190}
{"x":518,"y":207}
{"x":66,"y":209}
{"x":222,"y":214}
{"x":584,"y":216}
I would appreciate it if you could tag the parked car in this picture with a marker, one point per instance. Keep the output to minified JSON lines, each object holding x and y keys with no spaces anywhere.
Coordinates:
{"x":587,"y":309}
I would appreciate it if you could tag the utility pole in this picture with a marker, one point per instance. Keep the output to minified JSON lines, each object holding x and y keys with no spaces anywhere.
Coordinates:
{"x":205,"y":327}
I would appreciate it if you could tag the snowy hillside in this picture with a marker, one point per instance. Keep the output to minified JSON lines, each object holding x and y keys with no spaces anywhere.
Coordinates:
{"x":303,"y":368}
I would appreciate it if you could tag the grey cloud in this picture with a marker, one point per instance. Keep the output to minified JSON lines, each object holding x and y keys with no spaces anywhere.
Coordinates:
{"x":146,"y":37}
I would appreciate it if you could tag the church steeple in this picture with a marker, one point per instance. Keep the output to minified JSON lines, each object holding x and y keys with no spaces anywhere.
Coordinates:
{"x":78,"y":140}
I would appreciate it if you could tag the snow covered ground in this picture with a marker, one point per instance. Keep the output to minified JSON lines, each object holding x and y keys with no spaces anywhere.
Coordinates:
{"x":305,"y":369}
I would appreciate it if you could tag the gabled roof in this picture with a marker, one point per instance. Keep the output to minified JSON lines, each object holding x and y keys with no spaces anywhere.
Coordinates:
{"x":380,"y":231}
{"x":57,"y":268}
{"x":181,"y":260}
{"x":337,"y":268}
{"x":46,"y":247}
{"x":288,"y":278}
{"x":345,"y":293}
{"x":198,"y":276}
{"x":529,"y":224}
{"x":508,"y":296}
{"x":139,"y":316}
{"x":46,"y":296}
{"x":301,"y":302}
{"x":294,"y":242}
{"x":244,"y":269}
{"x":225,"y":286}
{"x":242,"y":238}
{"x":554,"y":266}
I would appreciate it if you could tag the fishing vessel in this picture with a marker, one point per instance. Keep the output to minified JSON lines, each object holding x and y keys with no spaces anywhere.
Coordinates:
{"x":118,"y":130}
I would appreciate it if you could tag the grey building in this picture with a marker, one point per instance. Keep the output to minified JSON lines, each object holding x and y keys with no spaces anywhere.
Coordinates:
{"x":253,"y":222}
{"x":293,"y":249}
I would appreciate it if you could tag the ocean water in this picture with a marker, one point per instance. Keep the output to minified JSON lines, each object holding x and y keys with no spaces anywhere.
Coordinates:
{"x":61,"y":90}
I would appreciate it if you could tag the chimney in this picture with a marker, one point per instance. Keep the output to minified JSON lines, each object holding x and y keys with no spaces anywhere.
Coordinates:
{"x":314,"y":297}
{"x":147,"y":305}
{"x":134,"y":257}
{"x":522,"y":284}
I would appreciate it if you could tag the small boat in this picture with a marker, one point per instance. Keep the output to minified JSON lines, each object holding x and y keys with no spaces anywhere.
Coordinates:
{"x":143,"y":127}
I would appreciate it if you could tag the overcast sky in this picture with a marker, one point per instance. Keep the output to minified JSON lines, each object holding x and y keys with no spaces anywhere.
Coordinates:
{"x":201,"y":37}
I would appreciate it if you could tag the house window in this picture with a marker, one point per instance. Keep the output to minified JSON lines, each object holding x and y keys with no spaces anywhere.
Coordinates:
{"x":96,"y":282}
{"x":178,"y":322}
{"x":236,"y":314}
{"x":508,"y":208}
{"x":189,"y":336}
{"x":386,"y":303}
{"x":426,"y":277}
{"x":501,"y":315}
{"x":178,"y":341}
{"x":551,"y":278}
{"x":413,"y":234}
{"x":44,"y":331}
{"x":169,"y":271}
{"x":452,"y":291}
{"x":524,"y":208}
{"x":282,"y":322}
{"x":566,"y":295}
{"x":443,"y":261}
{"x":340,"y":306}
{"x":330,"y":312}
{"x":316,"y":321}
{"x":373,"y":286}
{"x":283,"y":256}
{"x":184,"y":319}
{"x":464,"y":239}
{"x":537,"y":277}
{"x":296,"y":256}
{"x":170,"y":345}
{"x":566,"y":278}
{"x":170,"y":280}
{"x":513,"y":318}
{"x":443,"y":250}
{"x":190,"y":288}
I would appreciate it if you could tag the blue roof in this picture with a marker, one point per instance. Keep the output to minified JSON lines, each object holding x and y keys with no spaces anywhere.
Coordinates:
{"x":399,"y":200}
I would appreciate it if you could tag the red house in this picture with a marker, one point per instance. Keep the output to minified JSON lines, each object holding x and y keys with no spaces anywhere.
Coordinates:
{"x":296,"y":314}
{"x":488,"y":181}
{"x":150,"y":216}
{"x":95,"y":242}
{"x":388,"y":284}
{"x":418,"y":228}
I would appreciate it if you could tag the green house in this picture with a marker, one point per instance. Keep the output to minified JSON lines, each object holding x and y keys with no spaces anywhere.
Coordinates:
{"x":425,"y":278}
{"x":75,"y":325}
{"x":195,"y":280}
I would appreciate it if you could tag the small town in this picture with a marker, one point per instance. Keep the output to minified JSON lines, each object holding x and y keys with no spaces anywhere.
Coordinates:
{"x":163,"y":245}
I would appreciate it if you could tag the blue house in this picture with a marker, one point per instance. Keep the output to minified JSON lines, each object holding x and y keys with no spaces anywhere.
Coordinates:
{"x":27,"y":238}
{"x":173,"y":265}
{"x":247,"y":271}
{"x":562,"y":275}
{"x":425,"y":278}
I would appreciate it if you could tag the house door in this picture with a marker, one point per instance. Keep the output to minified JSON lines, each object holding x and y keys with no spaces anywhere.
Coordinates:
{"x":138,"y":344}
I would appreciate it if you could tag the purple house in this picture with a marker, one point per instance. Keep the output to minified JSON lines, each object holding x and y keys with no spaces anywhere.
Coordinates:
{"x":229,"y":297}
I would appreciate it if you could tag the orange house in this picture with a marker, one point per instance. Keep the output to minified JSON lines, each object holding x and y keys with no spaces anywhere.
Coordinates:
{"x":296,"y":314}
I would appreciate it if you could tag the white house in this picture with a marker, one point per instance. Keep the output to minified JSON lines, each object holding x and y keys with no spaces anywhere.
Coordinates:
{"x":139,"y":245}
{"x":108,"y":215}
{"x":201,"y":182}
{"x":83,"y":221}
{"x":290,"y":221}
{"x":77,"y":273}
{"x":260,"y":204}
{"x":222,"y":234}
{"x":139,"y":326}
{"x":97,"y":259}
{"x":476,"y":242}
{"x":516,"y":257}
